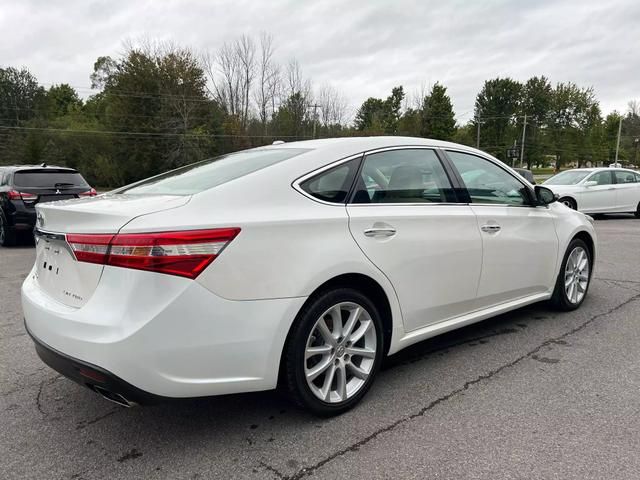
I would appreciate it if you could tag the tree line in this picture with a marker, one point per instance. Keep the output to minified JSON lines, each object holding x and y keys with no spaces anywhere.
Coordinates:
{"x":159,"y":106}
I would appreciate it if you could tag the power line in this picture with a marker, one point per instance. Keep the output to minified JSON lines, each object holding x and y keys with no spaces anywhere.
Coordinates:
{"x":150,"y":134}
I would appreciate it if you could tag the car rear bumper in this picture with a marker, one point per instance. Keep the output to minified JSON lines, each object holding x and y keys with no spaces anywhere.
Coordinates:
{"x":161,"y":336}
{"x":95,"y":378}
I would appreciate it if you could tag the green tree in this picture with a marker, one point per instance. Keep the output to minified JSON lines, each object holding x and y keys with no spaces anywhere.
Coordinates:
{"x":377,"y":116}
{"x":370,"y":115}
{"x":20,"y":96}
{"x":61,"y":100}
{"x":438,"y":118}
{"x":537,"y":96}
{"x":496,"y":106}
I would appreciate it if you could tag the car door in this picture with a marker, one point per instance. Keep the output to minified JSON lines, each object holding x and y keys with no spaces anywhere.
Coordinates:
{"x":627,"y":191}
{"x":404,"y":216}
{"x":519,"y":240}
{"x":599,"y":197}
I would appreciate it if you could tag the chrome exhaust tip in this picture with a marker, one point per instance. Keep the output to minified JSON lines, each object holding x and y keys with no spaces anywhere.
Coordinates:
{"x":113,"y":397}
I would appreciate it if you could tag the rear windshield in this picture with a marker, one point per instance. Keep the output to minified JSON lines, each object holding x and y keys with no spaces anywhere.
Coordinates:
{"x":570,"y":177}
{"x":211,"y":173}
{"x":48,"y":179}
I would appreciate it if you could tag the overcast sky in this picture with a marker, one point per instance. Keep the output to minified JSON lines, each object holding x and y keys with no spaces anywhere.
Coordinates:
{"x":363,"y":48}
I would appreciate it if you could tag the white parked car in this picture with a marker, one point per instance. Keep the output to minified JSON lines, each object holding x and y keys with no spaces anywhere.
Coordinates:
{"x":299,"y":264}
{"x":598,"y":190}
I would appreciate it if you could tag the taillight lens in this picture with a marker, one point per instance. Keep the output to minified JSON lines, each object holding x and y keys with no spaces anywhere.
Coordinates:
{"x":90,"y":193}
{"x":90,"y":248}
{"x":14,"y":195}
{"x":185,"y":254}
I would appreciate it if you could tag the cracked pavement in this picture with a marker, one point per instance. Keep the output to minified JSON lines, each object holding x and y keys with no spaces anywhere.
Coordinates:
{"x":530,"y":394}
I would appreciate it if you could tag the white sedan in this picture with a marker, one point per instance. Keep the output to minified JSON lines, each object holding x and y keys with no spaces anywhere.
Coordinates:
{"x":598,"y":190}
{"x":300,"y":265}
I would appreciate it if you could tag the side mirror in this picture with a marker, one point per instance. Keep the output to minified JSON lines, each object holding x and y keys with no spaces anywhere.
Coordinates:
{"x":590,"y":183}
{"x":545,"y":195}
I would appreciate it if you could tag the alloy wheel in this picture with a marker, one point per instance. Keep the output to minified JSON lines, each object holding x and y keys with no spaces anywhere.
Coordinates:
{"x":340,"y":352}
{"x":576,"y":275}
{"x":2,"y":232}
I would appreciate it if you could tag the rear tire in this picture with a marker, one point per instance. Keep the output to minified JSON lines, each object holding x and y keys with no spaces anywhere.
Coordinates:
{"x":637,"y":212}
{"x":7,"y":234}
{"x":329,"y":370}
{"x":569,"y":202}
{"x":574,"y":277}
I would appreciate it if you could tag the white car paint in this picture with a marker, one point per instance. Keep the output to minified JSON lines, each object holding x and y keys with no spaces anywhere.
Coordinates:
{"x":615,"y":197}
{"x":224,"y":332}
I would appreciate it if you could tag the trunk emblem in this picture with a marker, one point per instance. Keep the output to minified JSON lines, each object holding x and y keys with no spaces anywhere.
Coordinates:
{"x":58,"y":192}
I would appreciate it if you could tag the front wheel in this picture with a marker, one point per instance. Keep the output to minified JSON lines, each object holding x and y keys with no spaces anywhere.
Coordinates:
{"x":569,"y":202}
{"x":334,"y":352}
{"x":574,"y":277}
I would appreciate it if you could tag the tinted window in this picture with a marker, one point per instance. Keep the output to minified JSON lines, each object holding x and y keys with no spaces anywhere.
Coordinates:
{"x":332,"y":185}
{"x":486,"y":182}
{"x":48,"y":179}
{"x":403,"y":176}
{"x":625,"y":177}
{"x":211,"y":173}
{"x":601,"y":178}
{"x":570,"y":177}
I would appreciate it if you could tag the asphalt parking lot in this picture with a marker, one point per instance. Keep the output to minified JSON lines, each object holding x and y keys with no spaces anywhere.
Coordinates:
{"x":530,"y":394}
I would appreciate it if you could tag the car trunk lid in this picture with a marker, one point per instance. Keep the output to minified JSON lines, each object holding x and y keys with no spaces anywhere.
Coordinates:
{"x":57,"y":271}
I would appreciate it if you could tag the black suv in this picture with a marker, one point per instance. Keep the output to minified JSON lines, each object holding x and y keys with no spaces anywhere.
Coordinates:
{"x":23,"y":187}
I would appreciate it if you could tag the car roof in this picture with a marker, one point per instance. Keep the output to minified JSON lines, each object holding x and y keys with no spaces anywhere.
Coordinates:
{"x":324,"y":151}
{"x":367,"y":143}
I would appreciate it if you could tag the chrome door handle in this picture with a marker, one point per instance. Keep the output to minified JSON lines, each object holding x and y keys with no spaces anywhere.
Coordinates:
{"x":491,"y":228}
{"x":380,"y":232}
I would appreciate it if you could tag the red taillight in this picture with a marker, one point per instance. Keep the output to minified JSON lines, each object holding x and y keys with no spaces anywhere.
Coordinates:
{"x":90,"y":248}
{"x":14,"y":195}
{"x":90,"y":193}
{"x":185,"y":254}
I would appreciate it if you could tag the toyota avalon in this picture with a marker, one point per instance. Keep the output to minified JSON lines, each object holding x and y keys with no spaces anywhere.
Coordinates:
{"x":298,"y":265}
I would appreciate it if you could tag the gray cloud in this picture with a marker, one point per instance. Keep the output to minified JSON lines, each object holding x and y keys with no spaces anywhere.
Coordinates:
{"x":363,"y":48}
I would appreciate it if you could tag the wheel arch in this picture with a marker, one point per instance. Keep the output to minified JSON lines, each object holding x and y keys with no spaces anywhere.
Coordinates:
{"x":570,"y":197}
{"x":588,"y":239}
{"x":366,"y":285}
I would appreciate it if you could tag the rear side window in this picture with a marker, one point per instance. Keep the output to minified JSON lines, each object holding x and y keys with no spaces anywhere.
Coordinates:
{"x":332,"y":185}
{"x":48,"y":179}
{"x":625,"y":177}
{"x":403,"y":176}
{"x":207,"y":174}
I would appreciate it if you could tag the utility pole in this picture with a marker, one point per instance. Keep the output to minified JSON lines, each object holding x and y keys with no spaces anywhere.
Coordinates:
{"x":524,"y":129}
{"x":618,"y":142}
{"x":478,"y":132}
{"x":315,"y":118}
{"x":636,"y":142}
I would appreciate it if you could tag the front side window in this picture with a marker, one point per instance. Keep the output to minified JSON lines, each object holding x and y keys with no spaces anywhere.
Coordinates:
{"x":625,"y":177}
{"x":332,"y":185}
{"x":403,"y":176}
{"x":486,"y":182}
{"x":601,"y":178}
